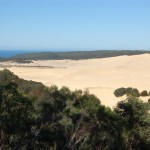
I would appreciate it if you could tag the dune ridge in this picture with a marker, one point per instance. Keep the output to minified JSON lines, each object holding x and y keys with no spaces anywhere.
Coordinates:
{"x":100,"y":76}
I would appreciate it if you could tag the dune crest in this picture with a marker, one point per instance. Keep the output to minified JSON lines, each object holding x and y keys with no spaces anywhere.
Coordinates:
{"x":100,"y":76}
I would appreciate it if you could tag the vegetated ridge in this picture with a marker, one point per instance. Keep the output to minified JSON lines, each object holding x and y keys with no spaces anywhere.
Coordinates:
{"x":77,"y":55}
{"x":1,"y":58}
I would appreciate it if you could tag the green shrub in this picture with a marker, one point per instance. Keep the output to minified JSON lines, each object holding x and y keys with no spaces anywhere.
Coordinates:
{"x":135,"y":92}
{"x":129,"y":91}
{"x":144,"y":93}
{"x":120,"y":92}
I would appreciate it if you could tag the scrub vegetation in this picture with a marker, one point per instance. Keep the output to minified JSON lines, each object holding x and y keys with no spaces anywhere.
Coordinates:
{"x":76,"y":55}
{"x":130,"y":91}
{"x":33,"y":116}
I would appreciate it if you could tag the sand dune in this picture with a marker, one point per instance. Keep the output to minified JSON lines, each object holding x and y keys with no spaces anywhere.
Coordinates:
{"x":100,"y":76}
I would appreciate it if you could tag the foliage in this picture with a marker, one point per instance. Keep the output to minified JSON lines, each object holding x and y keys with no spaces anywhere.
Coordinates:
{"x":76,"y":55}
{"x":144,"y":93}
{"x":33,"y":116}
{"x":127,"y":91}
{"x":135,"y":116}
{"x":15,"y":117}
{"x":133,"y":92}
{"x":120,"y":92}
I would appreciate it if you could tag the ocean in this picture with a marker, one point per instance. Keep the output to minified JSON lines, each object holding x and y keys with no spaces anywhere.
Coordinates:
{"x":10,"y":53}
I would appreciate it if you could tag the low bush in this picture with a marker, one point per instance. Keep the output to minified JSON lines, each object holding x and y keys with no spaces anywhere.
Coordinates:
{"x":136,"y":92}
{"x":120,"y":92}
{"x":129,"y":90}
{"x":144,"y":93}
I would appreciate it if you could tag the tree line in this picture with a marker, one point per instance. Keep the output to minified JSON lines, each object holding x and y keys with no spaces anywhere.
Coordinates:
{"x":74,"y":55}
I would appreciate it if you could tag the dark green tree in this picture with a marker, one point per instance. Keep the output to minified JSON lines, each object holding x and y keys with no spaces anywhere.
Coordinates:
{"x":136,"y":123}
{"x":120,"y":92}
{"x":16,"y":117}
{"x":144,"y":93}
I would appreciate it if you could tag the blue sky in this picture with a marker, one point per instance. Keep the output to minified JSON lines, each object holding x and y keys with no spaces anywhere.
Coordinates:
{"x":74,"y":24}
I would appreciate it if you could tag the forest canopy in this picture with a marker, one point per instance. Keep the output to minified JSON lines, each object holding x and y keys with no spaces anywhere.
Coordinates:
{"x":33,"y":116}
{"x":75,"y":55}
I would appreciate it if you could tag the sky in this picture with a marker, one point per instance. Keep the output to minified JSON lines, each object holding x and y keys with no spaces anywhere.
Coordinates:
{"x":74,"y":25}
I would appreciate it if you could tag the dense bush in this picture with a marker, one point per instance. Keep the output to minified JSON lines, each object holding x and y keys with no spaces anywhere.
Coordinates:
{"x":135,"y":92}
{"x":144,"y":93}
{"x":76,"y":55}
{"x":120,"y":92}
{"x":127,"y":91}
{"x":61,"y":119}
{"x":136,"y":124}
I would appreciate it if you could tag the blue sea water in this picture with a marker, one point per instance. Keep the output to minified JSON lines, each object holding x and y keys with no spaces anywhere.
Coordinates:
{"x":10,"y":53}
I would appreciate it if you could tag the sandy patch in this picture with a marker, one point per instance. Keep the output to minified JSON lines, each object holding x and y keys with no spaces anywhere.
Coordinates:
{"x":100,"y":76}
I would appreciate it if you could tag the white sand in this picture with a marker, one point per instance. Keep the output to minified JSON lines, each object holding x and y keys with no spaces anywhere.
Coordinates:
{"x":100,"y":76}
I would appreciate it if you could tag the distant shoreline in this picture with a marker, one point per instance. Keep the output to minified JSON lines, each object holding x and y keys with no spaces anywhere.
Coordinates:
{"x":59,"y":55}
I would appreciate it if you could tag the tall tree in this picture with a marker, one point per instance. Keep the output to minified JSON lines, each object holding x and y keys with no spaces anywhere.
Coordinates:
{"x":15,"y":117}
{"x":136,"y":123}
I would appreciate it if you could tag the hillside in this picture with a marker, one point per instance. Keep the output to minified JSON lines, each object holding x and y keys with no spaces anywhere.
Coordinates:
{"x":28,"y":88}
{"x":76,"y":55}
{"x":33,"y":116}
{"x":100,"y":76}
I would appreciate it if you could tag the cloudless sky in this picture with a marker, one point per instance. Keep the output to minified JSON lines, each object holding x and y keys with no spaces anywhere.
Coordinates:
{"x":74,"y":24}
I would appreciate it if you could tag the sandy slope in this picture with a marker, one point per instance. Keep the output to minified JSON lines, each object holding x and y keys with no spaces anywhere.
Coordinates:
{"x":100,"y":76}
